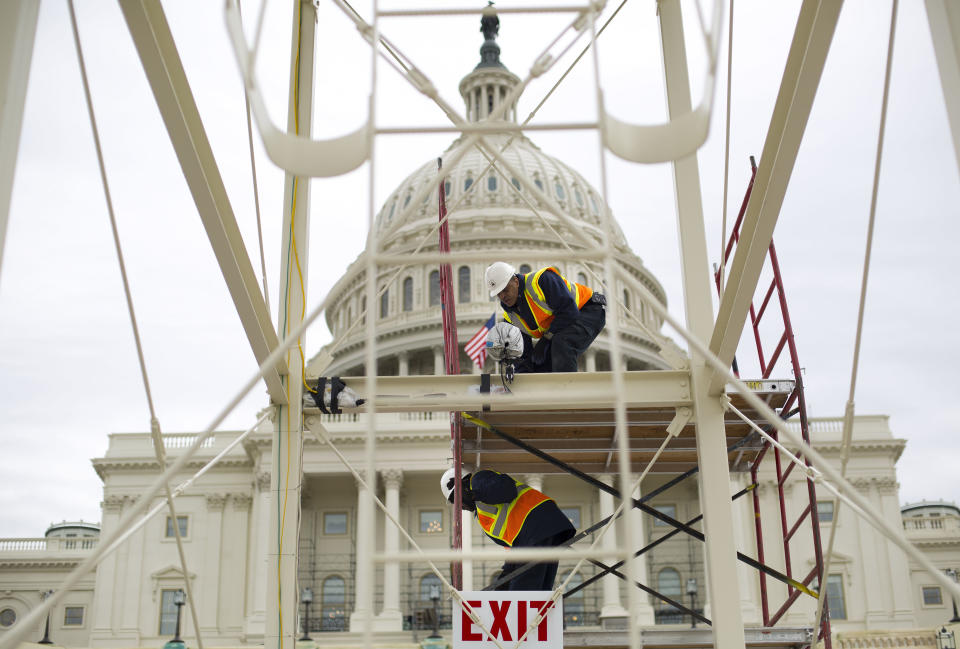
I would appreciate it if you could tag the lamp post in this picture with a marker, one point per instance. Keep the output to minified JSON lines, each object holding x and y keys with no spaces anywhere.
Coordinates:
{"x":692,"y":592}
{"x":179,"y":599}
{"x":435,"y":598}
{"x":46,"y":629}
{"x":946,"y":639}
{"x":952,"y":573}
{"x":306,"y":598}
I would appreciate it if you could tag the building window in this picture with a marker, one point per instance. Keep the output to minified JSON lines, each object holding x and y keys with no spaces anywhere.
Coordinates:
{"x":668,"y":583}
{"x":578,"y":196}
{"x":538,"y":182}
{"x":427,"y":585}
{"x":516,"y":183}
{"x":491,"y":183}
{"x":463,"y":278}
{"x":406,"y":201}
{"x":333,"y":599}
{"x":73,"y":616}
{"x":363,"y":310}
{"x":581,"y":279}
{"x":335,"y":523}
{"x":181,"y":523}
{"x":7,"y":617}
{"x":434,"y":287}
{"x":669,"y":510}
{"x":559,"y":189}
{"x":593,"y":204}
{"x":431,"y":521}
{"x":573,"y":513}
{"x":525,"y":268}
{"x":393,"y":207}
{"x":168,"y":612}
{"x":385,"y":304}
{"x":932,"y":596}
{"x":447,"y":188}
{"x":408,"y":294}
{"x":835,"y":600}
{"x":573,"y":606}
{"x":626,"y":299}
{"x":825,"y":511}
{"x":467,"y":182}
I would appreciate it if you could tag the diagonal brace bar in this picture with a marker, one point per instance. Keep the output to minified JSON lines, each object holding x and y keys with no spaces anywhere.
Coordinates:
{"x":161,"y":63}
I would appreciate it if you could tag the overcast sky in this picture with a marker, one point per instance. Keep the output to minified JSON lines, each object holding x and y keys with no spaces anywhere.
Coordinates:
{"x":68,"y":370}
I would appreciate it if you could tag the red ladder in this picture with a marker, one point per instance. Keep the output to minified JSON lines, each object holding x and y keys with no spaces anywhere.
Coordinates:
{"x":795,"y":404}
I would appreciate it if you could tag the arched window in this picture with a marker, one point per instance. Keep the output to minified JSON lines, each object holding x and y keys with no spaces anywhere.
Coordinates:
{"x":626,"y":299}
{"x":463,"y":289}
{"x":363,"y":310}
{"x":573,"y":606}
{"x":492,"y":183}
{"x":385,"y":304}
{"x":593,"y":204}
{"x":581,"y":279}
{"x":393,"y":206}
{"x":434,"y":287}
{"x":408,"y":294}
{"x":447,"y":188}
{"x":578,"y":196}
{"x":427,"y":584}
{"x":406,"y":201}
{"x":525,"y":268}
{"x":558,"y":188}
{"x":467,"y":182}
{"x":668,"y":583}
{"x":333,"y":601}
{"x":516,"y":183}
{"x":538,"y":183}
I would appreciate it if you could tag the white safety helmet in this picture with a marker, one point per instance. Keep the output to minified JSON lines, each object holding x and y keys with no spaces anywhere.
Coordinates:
{"x":497,"y":276}
{"x":447,"y":481}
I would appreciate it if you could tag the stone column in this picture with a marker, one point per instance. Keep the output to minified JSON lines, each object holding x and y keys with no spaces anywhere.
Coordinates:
{"x":131,"y":571}
{"x":466,"y":522}
{"x":403,"y":362}
{"x":643,"y":611}
{"x":212,"y":554}
{"x":612,"y":609}
{"x":591,"y":360}
{"x":391,"y":618}
{"x":257,"y":587}
{"x":235,"y":575}
{"x":104,"y":601}
{"x":899,"y":569}
{"x":438,"y":369}
{"x":871,"y":545}
{"x":365,"y":540}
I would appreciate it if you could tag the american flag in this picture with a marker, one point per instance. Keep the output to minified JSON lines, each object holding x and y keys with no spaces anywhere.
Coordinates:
{"x":476,"y":347}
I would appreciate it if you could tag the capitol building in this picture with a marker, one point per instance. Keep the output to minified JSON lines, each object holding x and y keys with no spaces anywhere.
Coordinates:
{"x":877,"y":596}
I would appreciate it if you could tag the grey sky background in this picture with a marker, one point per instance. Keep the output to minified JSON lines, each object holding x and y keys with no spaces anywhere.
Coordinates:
{"x":68,"y":369}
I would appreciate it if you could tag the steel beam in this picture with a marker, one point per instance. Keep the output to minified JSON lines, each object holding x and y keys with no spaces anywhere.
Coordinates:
{"x":161,"y":63}
{"x":580,"y":390}
{"x":720,"y":549}
{"x":801,"y":77}
{"x":944,"y":17}
{"x":18,"y":27}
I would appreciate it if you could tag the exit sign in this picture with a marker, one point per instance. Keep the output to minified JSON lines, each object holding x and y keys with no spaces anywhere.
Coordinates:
{"x":505,"y":616}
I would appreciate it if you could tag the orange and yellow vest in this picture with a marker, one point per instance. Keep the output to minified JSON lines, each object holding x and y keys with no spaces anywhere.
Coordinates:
{"x":537,"y":303}
{"x":504,"y":521}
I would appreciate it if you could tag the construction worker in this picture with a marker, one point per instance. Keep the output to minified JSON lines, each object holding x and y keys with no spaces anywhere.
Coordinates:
{"x":513,"y":515}
{"x":564,"y":317}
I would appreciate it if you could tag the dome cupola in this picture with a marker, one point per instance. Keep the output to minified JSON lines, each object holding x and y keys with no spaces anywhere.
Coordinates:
{"x":486,"y":88}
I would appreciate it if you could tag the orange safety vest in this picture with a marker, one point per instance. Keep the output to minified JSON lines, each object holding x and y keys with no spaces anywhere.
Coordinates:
{"x":504,"y":521}
{"x":541,"y":311}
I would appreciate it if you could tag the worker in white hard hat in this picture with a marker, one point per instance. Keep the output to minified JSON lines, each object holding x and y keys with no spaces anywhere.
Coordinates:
{"x":564,"y":317}
{"x":513,"y":515}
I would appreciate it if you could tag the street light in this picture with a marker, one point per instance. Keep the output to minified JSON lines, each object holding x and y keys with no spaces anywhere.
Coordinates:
{"x":692,"y":592}
{"x":435,"y":598}
{"x":179,"y":599}
{"x":46,"y":629}
{"x":952,"y":573}
{"x":306,"y":598}
{"x":946,"y":639}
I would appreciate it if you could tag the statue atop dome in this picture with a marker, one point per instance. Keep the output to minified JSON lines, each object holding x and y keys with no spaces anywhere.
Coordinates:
{"x":490,"y":51}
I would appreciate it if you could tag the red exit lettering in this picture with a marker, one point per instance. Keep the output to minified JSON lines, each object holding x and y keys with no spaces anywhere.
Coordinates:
{"x":500,"y":627}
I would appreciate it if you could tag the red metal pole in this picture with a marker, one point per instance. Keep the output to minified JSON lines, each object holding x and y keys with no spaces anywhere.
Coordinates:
{"x":451,"y":358}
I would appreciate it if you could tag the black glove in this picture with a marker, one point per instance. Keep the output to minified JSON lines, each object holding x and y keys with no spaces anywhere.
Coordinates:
{"x":540,"y":351}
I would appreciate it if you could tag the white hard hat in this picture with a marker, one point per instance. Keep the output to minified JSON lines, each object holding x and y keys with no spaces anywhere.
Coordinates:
{"x":497,"y":275}
{"x":447,"y":482}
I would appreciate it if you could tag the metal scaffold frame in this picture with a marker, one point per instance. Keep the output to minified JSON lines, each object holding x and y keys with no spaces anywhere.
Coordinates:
{"x":697,"y":386}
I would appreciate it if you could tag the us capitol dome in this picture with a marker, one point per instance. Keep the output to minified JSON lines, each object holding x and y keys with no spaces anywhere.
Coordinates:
{"x":494,"y":218}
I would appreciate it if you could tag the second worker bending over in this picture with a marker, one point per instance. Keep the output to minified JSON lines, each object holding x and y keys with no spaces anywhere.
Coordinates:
{"x":564,"y":316}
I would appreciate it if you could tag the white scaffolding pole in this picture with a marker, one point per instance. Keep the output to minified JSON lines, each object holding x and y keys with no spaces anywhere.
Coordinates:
{"x":18,"y":27}
{"x":720,"y":547}
{"x":287,"y":448}
{"x":944,"y":17}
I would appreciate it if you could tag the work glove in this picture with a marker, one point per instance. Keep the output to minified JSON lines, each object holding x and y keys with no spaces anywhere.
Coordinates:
{"x":466,"y":493}
{"x":540,"y":351}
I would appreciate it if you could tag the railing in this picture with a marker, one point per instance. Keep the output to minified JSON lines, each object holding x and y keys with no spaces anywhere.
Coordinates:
{"x":53,"y":544}
{"x":944,"y":523}
{"x":884,"y":639}
{"x":184,"y":440}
